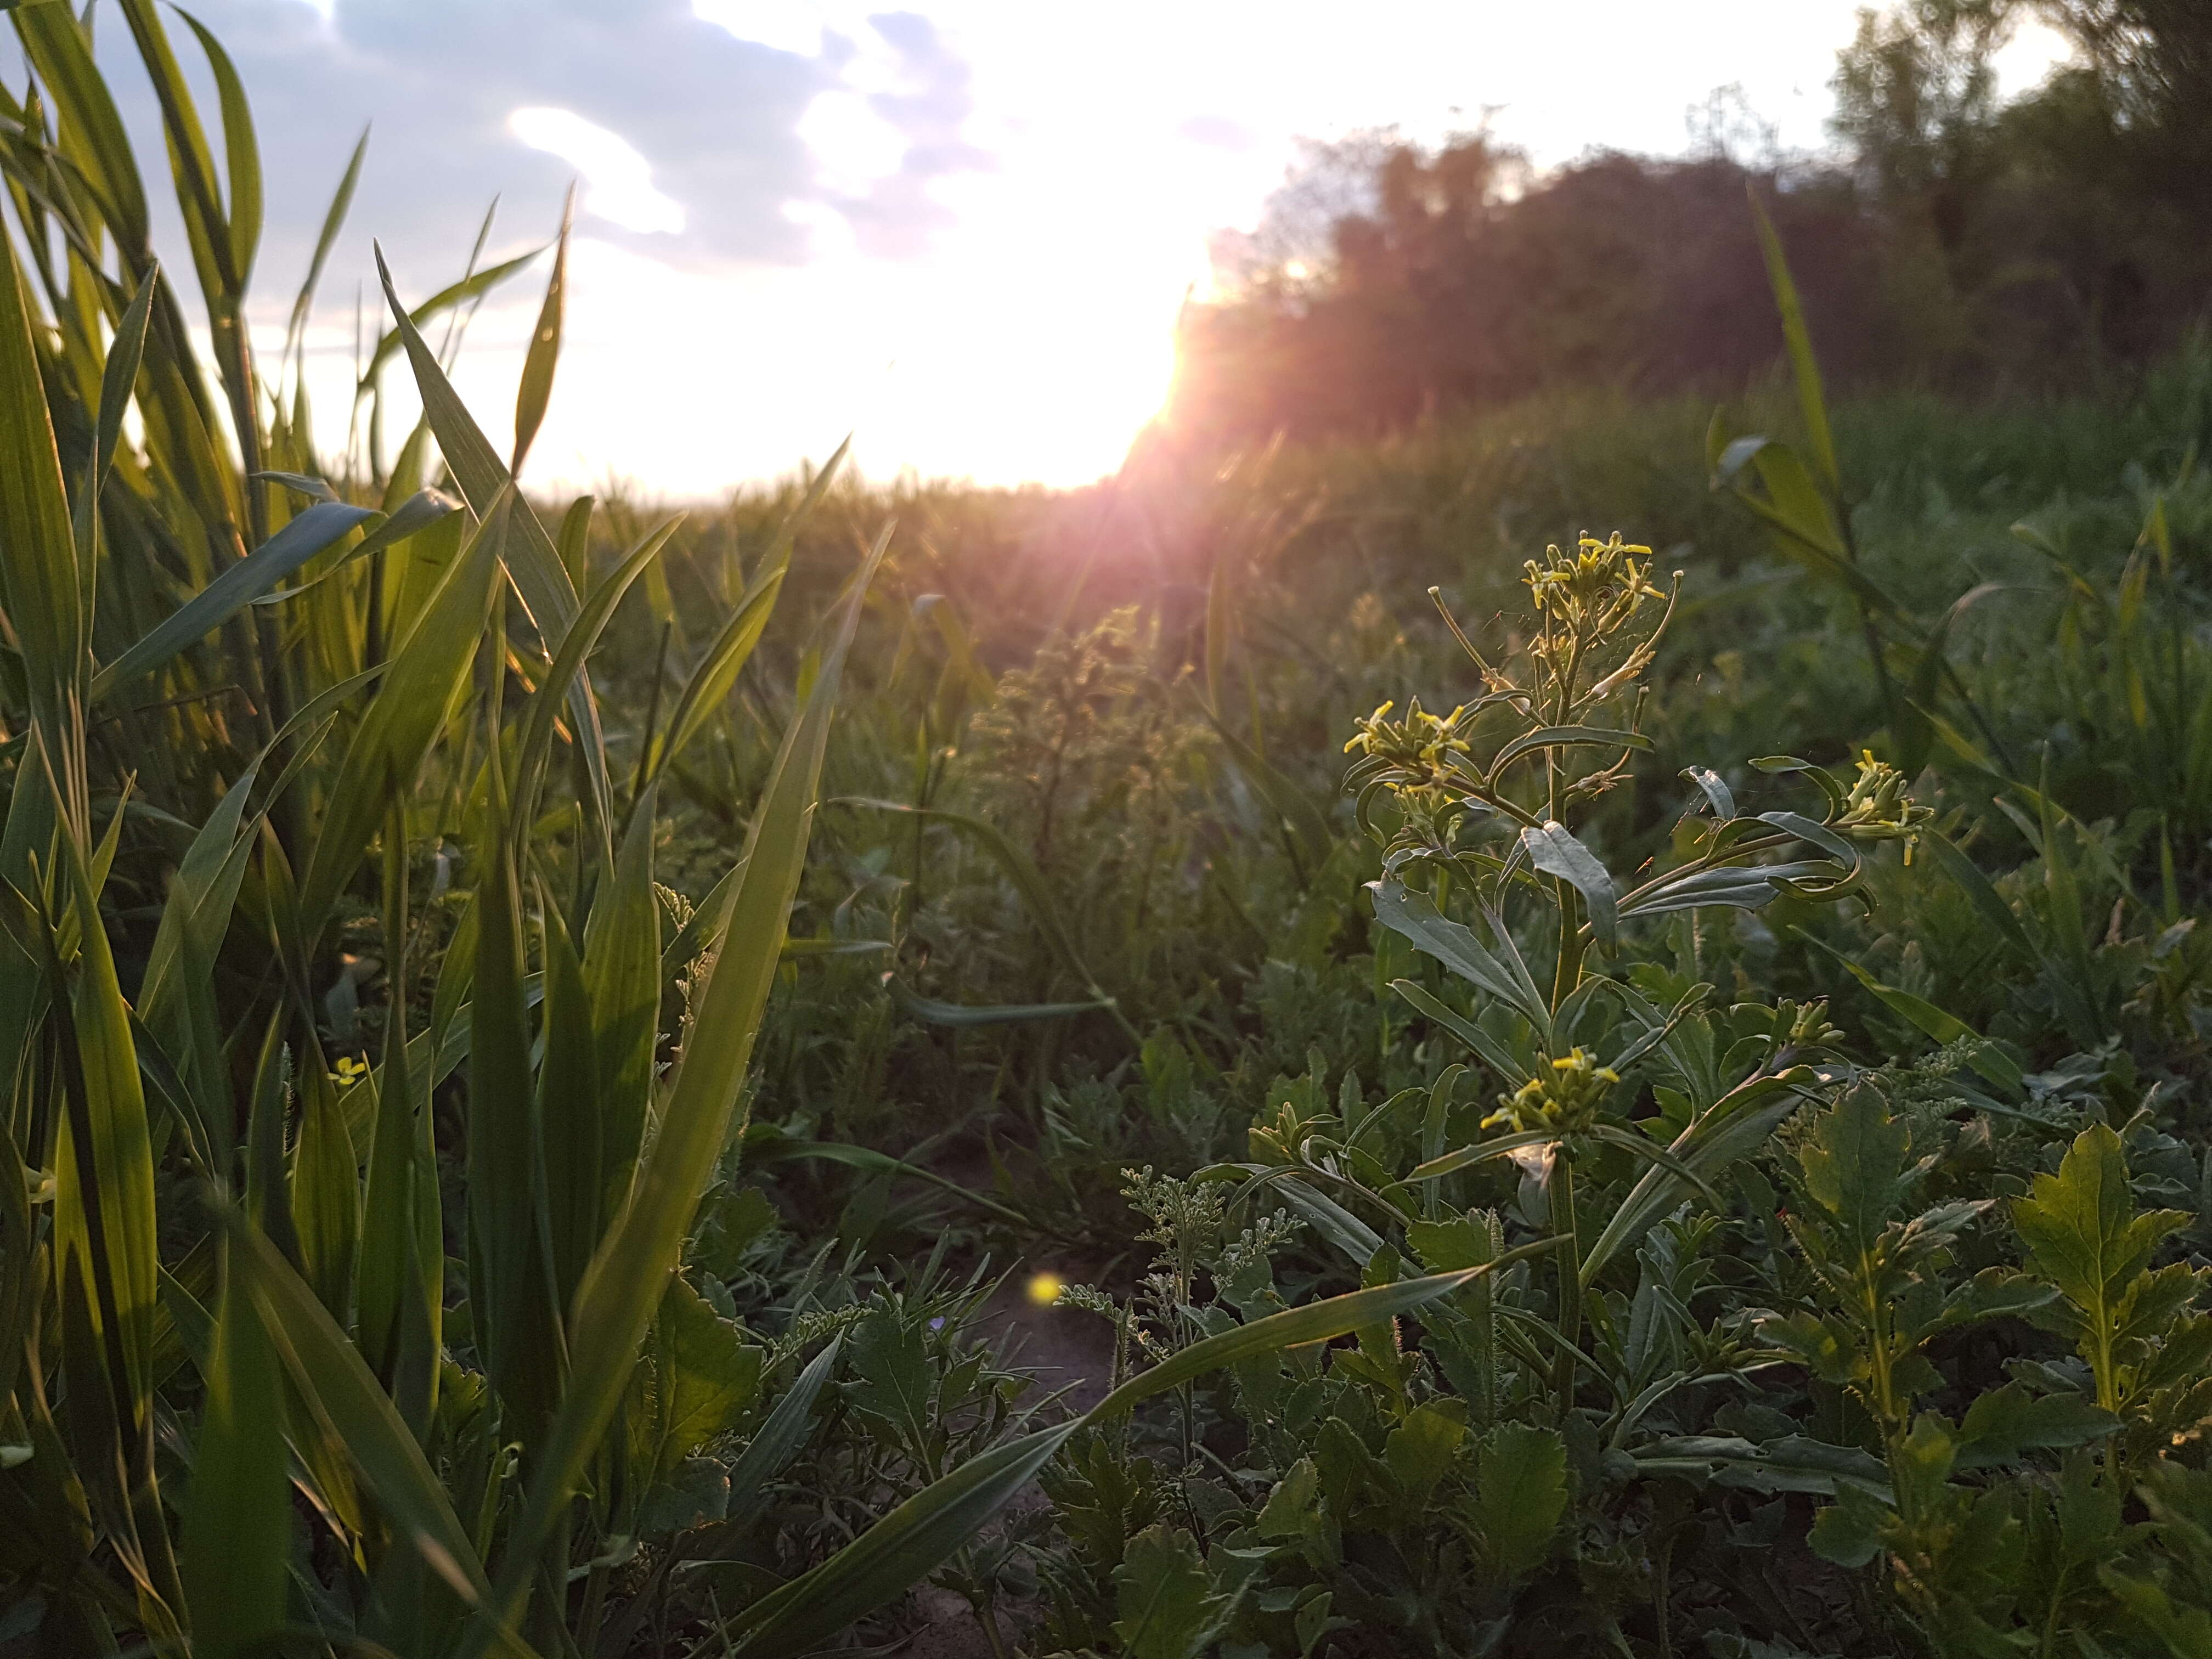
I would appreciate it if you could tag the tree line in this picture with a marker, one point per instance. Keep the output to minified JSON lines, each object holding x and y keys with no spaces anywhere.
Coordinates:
{"x":1951,"y":239}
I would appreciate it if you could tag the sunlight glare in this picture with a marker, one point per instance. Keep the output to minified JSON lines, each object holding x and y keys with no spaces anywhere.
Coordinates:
{"x":851,"y":144}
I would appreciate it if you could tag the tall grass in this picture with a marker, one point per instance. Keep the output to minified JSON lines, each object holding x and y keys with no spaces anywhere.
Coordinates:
{"x":292,"y":1356}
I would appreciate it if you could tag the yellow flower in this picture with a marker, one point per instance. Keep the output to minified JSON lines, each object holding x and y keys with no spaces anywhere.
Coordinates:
{"x":1566,"y":1099}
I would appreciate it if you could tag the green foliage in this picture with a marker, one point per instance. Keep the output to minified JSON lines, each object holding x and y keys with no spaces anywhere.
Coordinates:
{"x":485,"y":1139}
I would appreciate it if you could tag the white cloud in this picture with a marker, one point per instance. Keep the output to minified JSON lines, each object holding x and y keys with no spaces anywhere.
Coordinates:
{"x":619,"y":183}
{"x":791,"y":26}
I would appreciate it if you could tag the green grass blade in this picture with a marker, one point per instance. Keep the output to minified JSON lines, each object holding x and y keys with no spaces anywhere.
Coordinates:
{"x":327,"y":1192}
{"x":315,"y":531}
{"x":1291,"y":803}
{"x":340,"y":1390}
{"x":719,"y":668}
{"x":1804,"y":367}
{"x":92,"y":134}
{"x":241,"y":154}
{"x":536,"y":390}
{"x":623,"y":973}
{"x":1737,"y":1126}
{"x":621,"y":1290}
{"x":780,"y":1438}
{"x":428,"y":671}
{"x":39,"y":580}
{"x":333,"y":219}
{"x":510,"y":1290}
{"x":532,"y":560}
{"x":104,"y":1170}
{"x":569,"y":1108}
{"x":777,"y":1150}
{"x":901,"y":1549}
{"x":1414,"y":917}
{"x":474,"y":286}
{"x":533,"y":751}
{"x":119,"y":379}
{"x":1991,"y":1061}
{"x":1494,"y":1054}
{"x":931,"y":1011}
{"x":238,"y":1509}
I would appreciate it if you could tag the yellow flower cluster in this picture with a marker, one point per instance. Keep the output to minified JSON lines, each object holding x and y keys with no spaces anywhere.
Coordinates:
{"x":1417,"y":744}
{"x":1878,"y":809}
{"x":1564,"y":1100}
{"x":1595,"y":589}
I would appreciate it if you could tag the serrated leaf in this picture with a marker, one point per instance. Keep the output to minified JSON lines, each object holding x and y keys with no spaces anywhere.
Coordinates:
{"x":891,"y":1375}
{"x":2005,"y":1422}
{"x":1165,"y":1596}
{"x":2081,"y":1233}
{"x":1520,"y":1494}
{"x":703,"y":1377}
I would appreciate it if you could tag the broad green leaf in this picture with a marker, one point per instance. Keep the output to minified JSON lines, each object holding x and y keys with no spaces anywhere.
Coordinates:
{"x":2081,"y":1234}
{"x":1166,"y":1599}
{"x":892,"y":1376}
{"x":2005,"y":1422}
{"x":700,"y":1376}
{"x":1556,"y":852}
{"x":1791,"y":1463}
{"x":1419,"y":1450}
{"x":1717,"y":792}
{"x":1520,"y":1494}
{"x":1854,"y":1166}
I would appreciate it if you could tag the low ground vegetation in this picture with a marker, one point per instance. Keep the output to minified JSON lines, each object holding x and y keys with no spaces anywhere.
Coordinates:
{"x":1645,"y":1095}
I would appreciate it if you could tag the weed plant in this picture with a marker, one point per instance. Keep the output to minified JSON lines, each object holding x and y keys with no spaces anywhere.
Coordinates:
{"x":526,"y":1065}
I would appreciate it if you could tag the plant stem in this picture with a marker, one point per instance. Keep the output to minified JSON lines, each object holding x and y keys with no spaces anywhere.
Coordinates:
{"x":1562,"y":1198}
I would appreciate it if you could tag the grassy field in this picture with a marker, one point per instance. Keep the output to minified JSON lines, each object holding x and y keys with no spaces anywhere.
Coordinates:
{"x":1647,"y":1098}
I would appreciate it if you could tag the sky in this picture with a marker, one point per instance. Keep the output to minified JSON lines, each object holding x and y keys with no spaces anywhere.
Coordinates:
{"x":961,"y":233}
